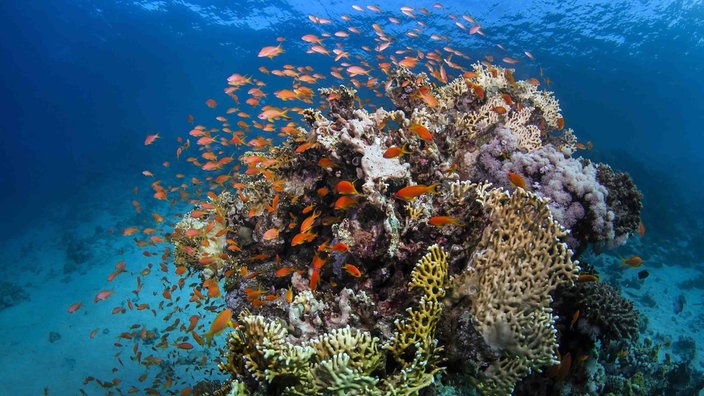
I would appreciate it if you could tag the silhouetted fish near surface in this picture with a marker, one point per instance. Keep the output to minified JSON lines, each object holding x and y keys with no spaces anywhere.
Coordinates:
{"x":678,"y":304}
{"x":643,"y":274}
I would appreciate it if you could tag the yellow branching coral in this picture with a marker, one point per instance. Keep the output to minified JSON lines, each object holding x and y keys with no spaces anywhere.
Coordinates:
{"x":519,"y":261}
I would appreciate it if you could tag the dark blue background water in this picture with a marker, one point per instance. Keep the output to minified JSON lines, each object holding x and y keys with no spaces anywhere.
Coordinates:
{"x":84,"y":82}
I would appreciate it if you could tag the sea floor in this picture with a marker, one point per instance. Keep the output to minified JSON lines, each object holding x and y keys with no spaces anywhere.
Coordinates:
{"x":69,"y":252}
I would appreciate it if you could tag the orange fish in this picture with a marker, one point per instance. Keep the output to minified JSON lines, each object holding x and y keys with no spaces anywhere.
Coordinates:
{"x":357,"y":71}
{"x":102,"y":295}
{"x":272,"y":113}
{"x":641,"y":229}
{"x":314,"y":279}
{"x":427,"y":96}
{"x":285,"y":271}
{"x":352,"y":270}
{"x":575,"y":316}
{"x":184,"y":345}
{"x":270,"y":234}
{"x":318,"y":262}
{"x":565,"y":364}
{"x":74,"y":307}
{"x":560,"y":123}
{"x":509,"y":60}
{"x":395,"y":151}
{"x":340,"y":247}
{"x":441,"y":221}
{"x":421,"y":131}
{"x":516,"y":180}
{"x":211,"y":103}
{"x":302,"y":237}
{"x":633,"y":261}
{"x":587,"y":278}
{"x":289,"y":294}
{"x":270,"y":51}
{"x":345,"y":202}
{"x":499,"y":110}
{"x":507,"y":98}
{"x":411,"y":192}
{"x":221,"y":321}
{"x":345,"y":187}
{"x":151,"y":138}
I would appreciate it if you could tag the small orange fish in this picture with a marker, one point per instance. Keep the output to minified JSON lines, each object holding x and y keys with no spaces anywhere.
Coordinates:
{"x":318,"y":262}
{"x":357,"y":71}
{"x":326,"y":163}
{"x":74,"y":307}
{"x":302,"y":237}
{"x":270,"y":51}
{"x":271,"y":233}
{"x":102,"y":295}
{"x":560,"y":123}
{"x":395,"y":151}
{"x":565,"y":365}
{"x":211,"y":103}
{"x":507,"y":98}
{"x":285,"y":271}
{"x":345,"y":202}
{"x":272,"y":113}
{"x":411,"y":192}
{"x":352,"y":270}
{"x":633,"y":261}
{"x":478,"y":90}
{"x":587,"y":278}
{"x":184,"y":345}
{"x":575,"y":316}
{"x":314,"y":279}
{"x":307,"y":224}
{"x":345,"y":187}
{"x":421,"y":131}
{"x":441,"y":221}
{"x":289,"y":294}
{"x":516,"y":180}
{"x":221,"y":321}
{"x":151,"y":138}
{"x":499,"y":110}
{"x":340,"y":247}
{"x":641,"y":229}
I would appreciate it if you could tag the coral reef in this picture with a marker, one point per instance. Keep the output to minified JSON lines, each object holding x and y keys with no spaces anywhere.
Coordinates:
{"x":321,"y":240}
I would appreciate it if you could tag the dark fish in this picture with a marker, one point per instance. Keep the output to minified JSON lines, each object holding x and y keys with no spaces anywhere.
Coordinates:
{"x":678,"y":304}
{"x":643,"y":274}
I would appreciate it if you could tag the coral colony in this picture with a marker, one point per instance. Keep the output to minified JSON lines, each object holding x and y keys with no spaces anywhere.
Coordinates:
{"x":386,"y":251}
{"x":339,"y":260}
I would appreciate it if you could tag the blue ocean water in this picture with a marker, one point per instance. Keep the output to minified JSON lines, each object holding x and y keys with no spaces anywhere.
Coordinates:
{"x":84,"y":82}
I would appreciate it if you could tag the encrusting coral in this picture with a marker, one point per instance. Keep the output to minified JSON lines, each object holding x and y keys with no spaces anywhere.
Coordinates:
{"x":326,"y":235}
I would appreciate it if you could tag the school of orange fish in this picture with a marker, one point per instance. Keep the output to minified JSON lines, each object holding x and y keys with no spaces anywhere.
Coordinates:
{"x":246,"y":124}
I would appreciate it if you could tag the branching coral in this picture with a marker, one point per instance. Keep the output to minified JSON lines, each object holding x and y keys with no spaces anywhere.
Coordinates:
{"x":518,"y":263}
{"x":344,"y":361}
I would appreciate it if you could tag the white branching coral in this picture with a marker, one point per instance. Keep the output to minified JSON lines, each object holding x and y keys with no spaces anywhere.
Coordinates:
{"x":518,"y":263}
